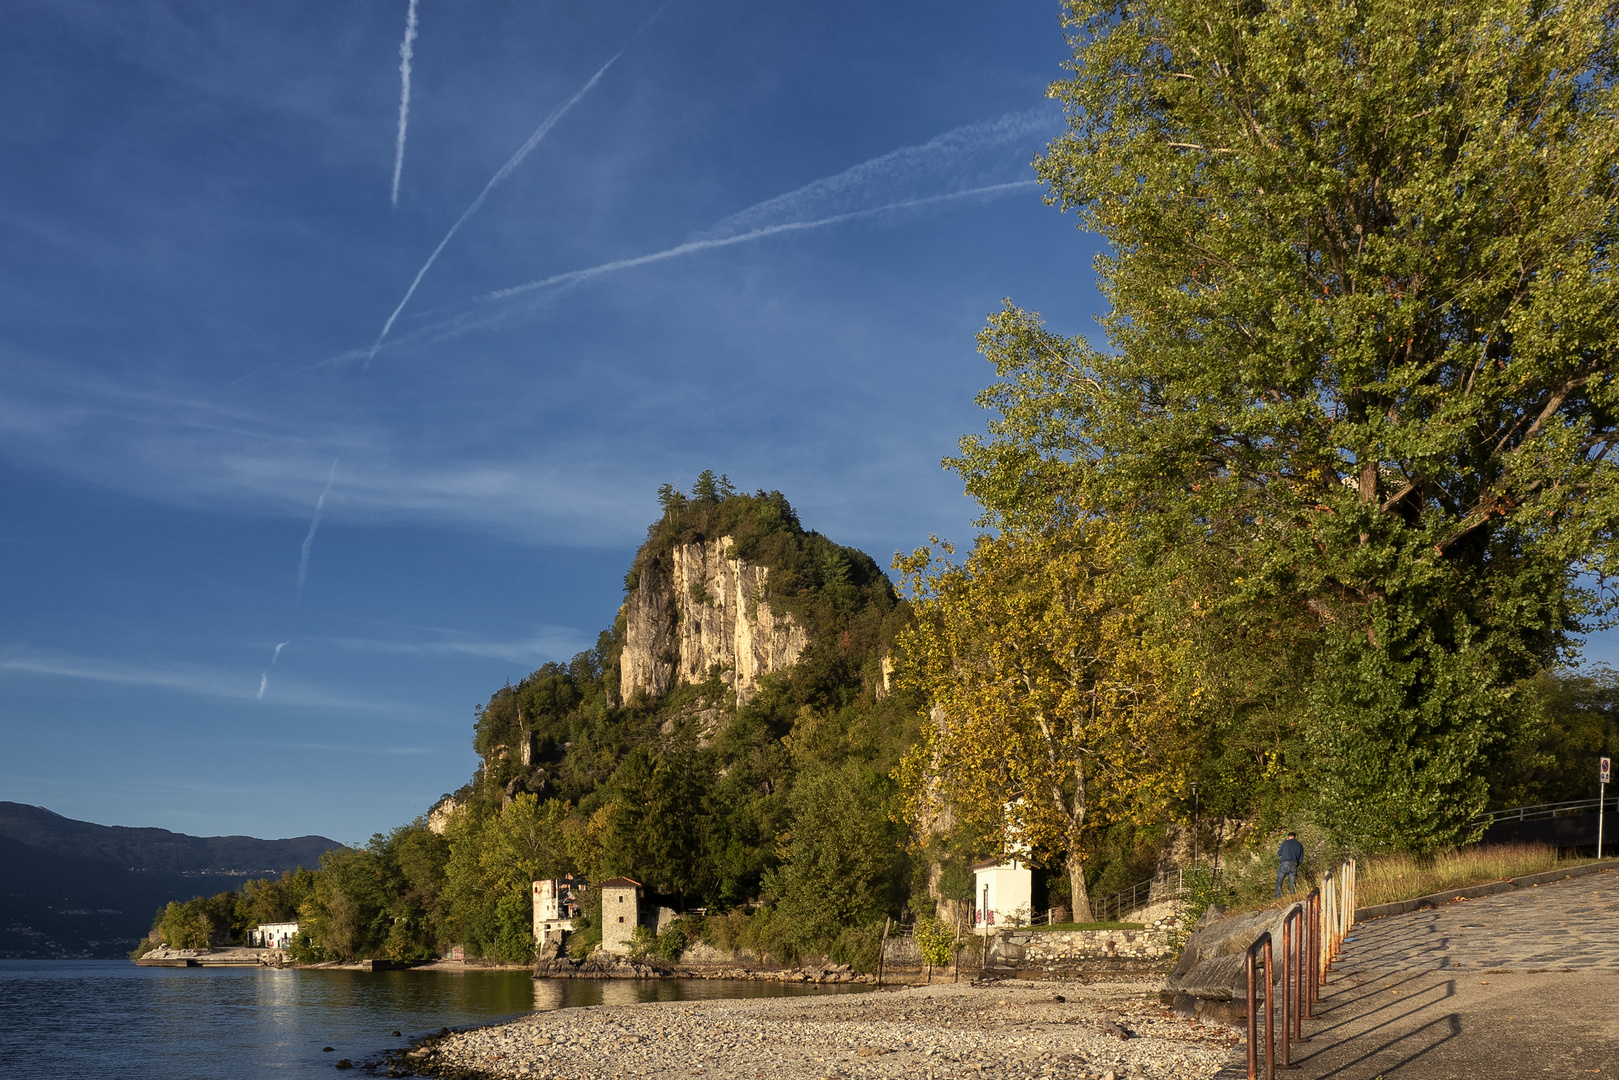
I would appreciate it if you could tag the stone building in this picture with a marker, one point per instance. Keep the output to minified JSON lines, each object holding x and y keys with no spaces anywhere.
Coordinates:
{"x":621,"y":912}
{"x":1003,"y":894}
{"x":556,"y":905}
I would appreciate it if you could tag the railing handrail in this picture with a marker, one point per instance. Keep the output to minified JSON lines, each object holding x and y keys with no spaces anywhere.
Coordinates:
{"x":1131,"y":899}
{"x":1540,"y":810}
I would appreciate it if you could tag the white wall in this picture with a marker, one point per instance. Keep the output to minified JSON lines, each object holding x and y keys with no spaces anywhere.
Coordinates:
{"x":1010,"y":895}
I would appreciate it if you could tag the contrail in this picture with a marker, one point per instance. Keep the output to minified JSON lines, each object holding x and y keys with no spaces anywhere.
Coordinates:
{"x":969,"y":156}
{"x":743,"y":238}
{"x":515,"y":160}
{"x":471,"y":320}
{"x":404,"y":95}
{"x":309,"y":539}
{"x":264,"y":677}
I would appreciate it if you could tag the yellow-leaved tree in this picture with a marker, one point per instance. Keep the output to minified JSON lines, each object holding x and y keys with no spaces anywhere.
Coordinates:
{"x":1053,"y":714}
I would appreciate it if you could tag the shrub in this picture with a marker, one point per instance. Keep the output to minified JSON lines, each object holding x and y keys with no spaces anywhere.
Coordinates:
{"x":859,"y":947}
{"x":935,"y":940}
{"x":671,"y":944}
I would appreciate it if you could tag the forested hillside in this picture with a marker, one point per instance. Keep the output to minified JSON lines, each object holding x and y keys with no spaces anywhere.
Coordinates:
{"x":786,"y":797}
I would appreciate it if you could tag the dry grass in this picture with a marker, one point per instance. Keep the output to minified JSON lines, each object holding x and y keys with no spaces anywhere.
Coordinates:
{"x":1384,"y":879}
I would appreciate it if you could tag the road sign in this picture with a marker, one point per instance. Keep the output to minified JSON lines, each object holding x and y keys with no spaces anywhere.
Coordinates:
{"x":1602,"y":770}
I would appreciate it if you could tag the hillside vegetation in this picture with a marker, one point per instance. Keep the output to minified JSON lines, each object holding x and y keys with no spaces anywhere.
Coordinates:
{"x":786,"y":800}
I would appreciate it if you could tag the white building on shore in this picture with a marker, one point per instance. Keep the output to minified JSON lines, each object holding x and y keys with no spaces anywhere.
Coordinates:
{"x":555,"y":908}
{"x":1003,"y":894}
{"x":272,"y":935}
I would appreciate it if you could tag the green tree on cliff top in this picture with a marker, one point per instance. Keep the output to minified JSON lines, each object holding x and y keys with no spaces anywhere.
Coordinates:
{"x":1359,"y":390}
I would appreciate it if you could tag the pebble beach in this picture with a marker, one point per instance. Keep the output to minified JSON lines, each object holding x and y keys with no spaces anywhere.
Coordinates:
{"x":1007,"y":1029}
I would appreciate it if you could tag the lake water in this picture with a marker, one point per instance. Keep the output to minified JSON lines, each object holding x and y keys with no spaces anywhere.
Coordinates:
{"x":111,"y":1020}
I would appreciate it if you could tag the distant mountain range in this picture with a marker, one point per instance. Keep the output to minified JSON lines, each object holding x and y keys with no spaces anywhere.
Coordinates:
{"x":77,"y":889}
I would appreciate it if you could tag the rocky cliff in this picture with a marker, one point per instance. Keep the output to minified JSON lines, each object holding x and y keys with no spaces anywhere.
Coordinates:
{"x":695,"y":610}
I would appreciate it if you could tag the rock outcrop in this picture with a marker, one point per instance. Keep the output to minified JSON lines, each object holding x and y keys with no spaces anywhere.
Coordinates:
{"x":696,"y":610}
{"x":1210,"y":981}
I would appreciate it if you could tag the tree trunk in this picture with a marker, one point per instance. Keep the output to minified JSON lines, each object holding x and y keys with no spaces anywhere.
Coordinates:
{"x":1080,"y":900}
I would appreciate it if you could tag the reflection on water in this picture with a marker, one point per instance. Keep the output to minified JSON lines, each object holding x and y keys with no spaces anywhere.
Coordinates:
{"x":95,"y":1019}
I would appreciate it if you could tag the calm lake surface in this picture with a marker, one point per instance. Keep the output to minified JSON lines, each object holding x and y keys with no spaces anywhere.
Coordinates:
{"x":108,"y":1019}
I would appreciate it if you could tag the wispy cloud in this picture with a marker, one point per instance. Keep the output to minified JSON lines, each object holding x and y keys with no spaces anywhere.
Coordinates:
{"x":185,"y":678}
{"x":500,"y":174}
{"x":309,"y":538}
{"x":405,"y":52}
{"x":547,"y":643}
{"x":339,"y":748}
{"x":264,"y":681}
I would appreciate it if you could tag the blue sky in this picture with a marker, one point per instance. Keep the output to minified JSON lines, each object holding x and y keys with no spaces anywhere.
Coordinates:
{"x":760,"y":242}
{"x":202,"y":248}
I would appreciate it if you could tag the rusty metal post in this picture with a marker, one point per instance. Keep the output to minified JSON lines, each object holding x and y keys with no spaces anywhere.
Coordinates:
{"x":1313,"y":975}
{"x":1261,"y":944}
{"x":1292,"y":942}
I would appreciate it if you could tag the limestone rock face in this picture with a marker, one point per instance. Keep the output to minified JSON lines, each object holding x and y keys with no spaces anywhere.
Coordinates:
{"x":699,"y":609}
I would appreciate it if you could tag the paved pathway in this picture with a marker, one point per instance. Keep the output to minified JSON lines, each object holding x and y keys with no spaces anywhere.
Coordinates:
{"x":1518,"y":984}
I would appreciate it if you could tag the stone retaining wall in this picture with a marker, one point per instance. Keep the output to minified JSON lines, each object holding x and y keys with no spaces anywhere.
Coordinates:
{"x":1059,"y":952}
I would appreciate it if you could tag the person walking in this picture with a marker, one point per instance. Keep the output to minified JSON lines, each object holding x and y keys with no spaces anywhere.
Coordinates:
{"x":1288,"y":857}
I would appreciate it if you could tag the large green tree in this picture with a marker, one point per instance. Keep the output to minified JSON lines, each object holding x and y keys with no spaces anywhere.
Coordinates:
{"x":1357,"y":398}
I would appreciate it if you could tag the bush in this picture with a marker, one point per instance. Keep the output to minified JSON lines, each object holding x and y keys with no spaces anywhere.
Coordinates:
{"x":769,"y":935}
{"x":859,"y":947}
{"x":642,"y":941}
{"x":935,"y":940}
{"x":725,"y":932}
{"x":671,"y":944}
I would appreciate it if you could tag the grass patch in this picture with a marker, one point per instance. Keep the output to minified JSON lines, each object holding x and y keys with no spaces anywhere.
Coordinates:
{"x":1084,"y":926}
{"x":1384,"y":879}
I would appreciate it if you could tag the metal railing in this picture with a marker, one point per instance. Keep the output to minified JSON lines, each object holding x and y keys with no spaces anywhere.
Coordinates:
{"x":1170,"y":885}
{"x":1312,"y":933}
{"x":1544,"y":810}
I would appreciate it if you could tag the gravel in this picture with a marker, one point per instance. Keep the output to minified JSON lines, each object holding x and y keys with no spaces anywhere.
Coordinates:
{"x":1006,"y":1030}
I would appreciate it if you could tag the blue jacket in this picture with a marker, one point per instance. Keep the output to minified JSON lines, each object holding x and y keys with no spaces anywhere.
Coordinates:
{"x":1291,"y":851}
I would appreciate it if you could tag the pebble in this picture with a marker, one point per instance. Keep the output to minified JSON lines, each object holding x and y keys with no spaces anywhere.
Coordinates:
{"x":1015,"y":1030}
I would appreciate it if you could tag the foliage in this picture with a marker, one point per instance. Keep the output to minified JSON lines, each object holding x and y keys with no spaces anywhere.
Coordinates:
{"x":1054,"y":719}
{"x":1359,"y":400}
{"x":843,"y":855}
{"x":671,"y":944}
{"x":1557,"y":760}
{"x":935,"y":940}
{"x":859,"y":947}
{"x":202,"y":923}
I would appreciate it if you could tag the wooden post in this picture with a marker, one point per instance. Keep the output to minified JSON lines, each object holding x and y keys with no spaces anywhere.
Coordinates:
{"x":955,"y":955}
{"x":882,"y":948}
